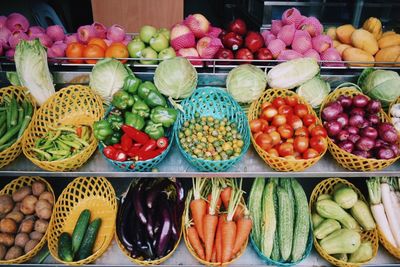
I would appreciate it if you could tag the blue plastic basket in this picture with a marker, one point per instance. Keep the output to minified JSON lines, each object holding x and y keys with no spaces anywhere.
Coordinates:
{"x":215,"y":102}
{"x":139,"y":166}
{"x":269,"y":261}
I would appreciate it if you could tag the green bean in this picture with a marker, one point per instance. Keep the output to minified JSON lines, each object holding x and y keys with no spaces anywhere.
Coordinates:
{"x":14,"y":112}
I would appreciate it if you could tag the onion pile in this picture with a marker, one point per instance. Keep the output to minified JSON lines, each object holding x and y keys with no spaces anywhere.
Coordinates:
{"x":354,"y":125}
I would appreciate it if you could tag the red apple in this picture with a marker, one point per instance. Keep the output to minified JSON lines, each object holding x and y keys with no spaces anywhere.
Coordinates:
{"x":263,"y":54}
{"x":254,"y":41}
{"x":238,"y":26}
{"x":224,"y":53}
{"x":222,"y":34}
{"x":244,"y":53}
{"x":232,"y":41}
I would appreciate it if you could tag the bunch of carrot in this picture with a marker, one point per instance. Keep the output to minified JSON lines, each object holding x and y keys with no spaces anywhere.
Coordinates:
{"x":220,"y":223}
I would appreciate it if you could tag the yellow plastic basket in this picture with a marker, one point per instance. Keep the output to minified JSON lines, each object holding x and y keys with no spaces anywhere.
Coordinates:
{"x":73,"y":105}
{"x":389,"y":247}
{"x":348,"y":160}
{"x":280,"y":163}
{"x":11,"y":153}
{"x":326,"y":187}
{"x":95,"y":194}
{"x":9,"y":189}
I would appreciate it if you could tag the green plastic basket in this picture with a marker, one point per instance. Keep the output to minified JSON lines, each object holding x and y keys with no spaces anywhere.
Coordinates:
{"x":215,"y":102}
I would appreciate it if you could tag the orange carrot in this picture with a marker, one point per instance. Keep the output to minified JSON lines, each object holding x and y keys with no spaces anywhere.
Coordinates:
{"x":195,"y":241}
{"x":214,"y":256}
{"x":228,"y":232}
{"x":243,"y":228}
{"x":218,"y":237}
{"x":209,"y":200}
{"x":239,"y":212}
{"x":226,"y":195}
{"x":198,"y":209}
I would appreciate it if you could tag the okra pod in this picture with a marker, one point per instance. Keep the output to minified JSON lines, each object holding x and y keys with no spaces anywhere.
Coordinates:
{"x":10,"y":133}
{"x":28,"y":115}
{"x":20,"y":115}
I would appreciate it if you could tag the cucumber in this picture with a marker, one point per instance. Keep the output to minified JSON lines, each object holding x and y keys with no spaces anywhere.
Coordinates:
{"x":64,"y":247}
{"x":276,"y":255}
{"x":268,"y":219}
{"x":285,"y":223}
{"x":86,"y":248}
{"x":288,"y":237}
{"x":80,"y":229}
{"x":255,"y":201}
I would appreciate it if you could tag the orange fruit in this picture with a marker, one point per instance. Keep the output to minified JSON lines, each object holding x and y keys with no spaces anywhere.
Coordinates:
{"x":93,"y":51}
{"x":75,"y":50}
{"x":117,"y":50}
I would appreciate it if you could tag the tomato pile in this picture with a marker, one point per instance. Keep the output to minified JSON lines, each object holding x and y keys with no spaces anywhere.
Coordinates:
{"x":285,"y":128}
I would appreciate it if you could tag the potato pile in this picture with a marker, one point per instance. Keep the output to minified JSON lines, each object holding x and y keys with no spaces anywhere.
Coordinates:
{"x":368,"y":44}
{"x":24,"y":220}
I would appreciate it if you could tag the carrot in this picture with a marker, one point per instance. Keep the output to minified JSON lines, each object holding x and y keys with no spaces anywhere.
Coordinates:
{"x":243,"y":228}
{"x":214,"y":256}
{"x":198,"y":206}
{"x":218,"y":202}
{"x":238,"y":213}
{"x":195,"y":242}
{"x":218,"y":237}
{"x":226,"y":194}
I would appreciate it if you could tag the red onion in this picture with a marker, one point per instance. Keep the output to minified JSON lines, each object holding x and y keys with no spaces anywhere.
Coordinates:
{"x":352,"y":129}
{"x":10,"y":53}
{"x":55,"y":32}
{"x":331,"y":111}
{"x":16,"y":21}
{"x":4,"y":35}
{"x":85,"y":33}
{"x":380,"y":143}
{"x":71,"y":38}
{"x":357,"y":111}
{"x":374,"y":106}
{"x":127,"y":39}
{"x":346,"y":146}
{"x":369,"y":132}
{"x":343,"y":119}
{"x":35,"y":30}
{"x":354,"y":138}
{"x":395,"y":148}
{"x":99,"y":29}
{"x":373,"y":119}
{"x":356,"y":121}
{"x":365,"y":124}
{"x":15,"y":37}
{"x":45,"y":40}
{"x":345,"y":101}
{"x":333,"y":128}
{"x":365,"y":143}
{"x":1,"y":48}
{"x":360,"y":153}
{"x":360,"y":101}
{"x":331,"y":54}
{"x":3,"y":20}
{"x":116,"y":33}
{"x":385,"y":153}
{"x":343,"y":135}
{"x":57,"y":50}
{"x":387,"y":132}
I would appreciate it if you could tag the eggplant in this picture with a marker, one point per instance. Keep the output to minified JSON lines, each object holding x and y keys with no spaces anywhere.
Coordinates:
{"x":137,"y":202}
{"x":155,"y":191}
{"x":150,"y":223}
{"x":165,"y":233}
{"x":123,"y":220}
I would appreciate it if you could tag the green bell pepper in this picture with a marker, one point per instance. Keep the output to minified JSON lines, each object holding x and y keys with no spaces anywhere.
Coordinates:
{"x":145,"y":88}
{"x":113,"y":139}
{"x":122,"y":100}
{"x":163,"y":115}
{"x":155,"y":99}
{"x":134,"y":120}
{"x":136,"y":98}
{"x":131,"y":84}
{"x":141,"y":108}
{"x":154,"y":130}
{"x":102,"y":130}
{"x":116,"y":120}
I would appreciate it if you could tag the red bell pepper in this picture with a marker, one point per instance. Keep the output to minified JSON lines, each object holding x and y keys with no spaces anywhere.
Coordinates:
{"x":149,"y":146}
{"x":120,"y":156}
{"x":137,"y":145}
{"x":151,"y":154}
{"x":126,"y":142}
{"x":110,"y":152}
{"x":117,"y":146}
{"x":135,"y":134}
{"x":133,"y":152}
{"x":162,"y":142}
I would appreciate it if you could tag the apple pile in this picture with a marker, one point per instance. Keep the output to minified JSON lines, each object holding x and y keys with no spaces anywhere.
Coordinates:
{"x":246,"y":45}
{"x":296,"y":36}
{"x":150,"y":44}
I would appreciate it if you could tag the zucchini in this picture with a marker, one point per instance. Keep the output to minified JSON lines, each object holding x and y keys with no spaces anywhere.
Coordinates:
{"x":268,"y":220}
{"x":64,"y":247}
{"x":255,"y":201}
{"x":285,"y":223}
{"x":302,"y":221}
{"x":276,"y":255}
{"x":86,"y":248}
{"x":80,"y":229}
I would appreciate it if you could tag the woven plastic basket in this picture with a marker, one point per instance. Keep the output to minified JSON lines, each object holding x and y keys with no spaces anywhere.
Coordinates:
{"x":10,"y":189}
{"x":73,"y":105}
{"x":140,"y":166}
{"x":397,"y":101}
{"x":280,"y":163}
{"x":95,"y":194}
{"x":11,"y":153}
{"x":215,"y":102}
{"x":346,"y":159}
{"x":326,"y":187}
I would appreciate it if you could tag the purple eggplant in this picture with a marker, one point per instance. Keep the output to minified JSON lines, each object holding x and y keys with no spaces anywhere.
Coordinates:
{"x":165,"y":233}
{"x":123,"y":222}
{"x":155,"y":191}
{"x":137,"y":202}
{"x":150,"y":223}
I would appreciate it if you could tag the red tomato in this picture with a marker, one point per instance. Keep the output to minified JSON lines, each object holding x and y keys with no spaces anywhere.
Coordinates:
{"x":310,"y":153}
{"x":265,"y":104}
{"x":297,"y":155}
{"x":93,"y":51}
{"x":290,"y":140}
{"x":269,"y":113}
{"x":285,"y":109}
{"x":264,"y":141}
{"x":318,"y":143}
{"x":278,"y":101}
{"x":294,"y":121}
{"x":302,"y":131}
{"x":291,"y":101}
{"x":300,"y":144}
{"x":300,"y":110}
{"x":279,"y":120}
{"x":256,"y":135}
{"x":258,"y":125}
{"x":318,"y":130}
{"x":75,"y":50}
{"x":273,"y":152}
{"x":276,"y":137}
{"x":286,"y":131}
{"x":269,"y":129}
{"x":285,"y":149}
{"x":309,"y":119}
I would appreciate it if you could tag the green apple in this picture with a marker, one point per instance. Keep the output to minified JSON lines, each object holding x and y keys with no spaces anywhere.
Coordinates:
{"x":159,"y":42}
{"x":165,"y":32}
{"x":146,"y":32}
{"x":167,"y":53}
{"x":148,"y":52}
{"x":134,"y":47}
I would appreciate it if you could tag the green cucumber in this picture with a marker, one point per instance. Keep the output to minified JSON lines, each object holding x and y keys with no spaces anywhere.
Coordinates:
{"x":255,"y":208}
{"x":268,"y":219}
{"x":276,"y":254}
{"x":285,"y":223}
{"x":86,"y":248}
{"x":80,"y":230}
{"x":64,"y":247}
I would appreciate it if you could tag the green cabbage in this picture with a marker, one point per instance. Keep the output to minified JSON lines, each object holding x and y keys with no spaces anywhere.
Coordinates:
{"x":246,"y":83}
{"x":32,"y":69}
{"x":176,"y":77}
{"x":107,"y":77}
{"x":382,"y":85}
{"x":314,"y":91}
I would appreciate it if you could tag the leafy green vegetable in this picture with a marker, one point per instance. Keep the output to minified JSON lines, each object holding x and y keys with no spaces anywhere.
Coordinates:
{"x":314,"y":91}
{"x":12,"y":77}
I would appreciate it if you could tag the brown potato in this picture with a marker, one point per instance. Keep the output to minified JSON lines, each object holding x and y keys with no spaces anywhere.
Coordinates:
{"x":26,"y":226}
{"x":6,"y":204}
{"x":344,"y":32}
{"x":8,"y":226}
{"x":21,"y":193}
{"x":38,"y":188}
{"x":43,"y":209}
{"x":31,"y":245}
{"x":17,"y":216}
{"x":17,"y":207}
{"x":47,"y":196}
{"x":35,"y":235}
{"x":3,"y":251}
{"x":13,"y":253}
{"x":28,"y":205}
{"x":6,"y":239}
{"x":21,"y":239}
{"x":41,"y":225}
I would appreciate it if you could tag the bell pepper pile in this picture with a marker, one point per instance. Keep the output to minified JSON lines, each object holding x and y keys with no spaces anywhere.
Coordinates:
{"x":135,"y":129}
